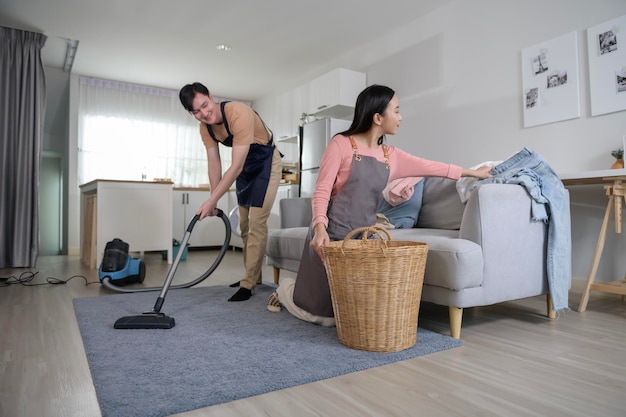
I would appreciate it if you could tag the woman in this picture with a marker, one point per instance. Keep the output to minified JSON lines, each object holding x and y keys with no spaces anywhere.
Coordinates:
{"x":256,"y":167}
{"x":355,"y":168}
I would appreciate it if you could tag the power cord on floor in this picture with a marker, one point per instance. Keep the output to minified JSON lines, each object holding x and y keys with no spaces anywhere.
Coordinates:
{"x":26,"y":277}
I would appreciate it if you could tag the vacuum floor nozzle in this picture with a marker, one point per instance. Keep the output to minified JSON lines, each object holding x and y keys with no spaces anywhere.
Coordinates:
{"x":145,"y":321}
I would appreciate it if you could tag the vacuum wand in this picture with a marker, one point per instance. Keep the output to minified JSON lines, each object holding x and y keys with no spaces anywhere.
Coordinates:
{"x":172,"y":271}
{"x":154,"y":319}
{"x":110,"y":284}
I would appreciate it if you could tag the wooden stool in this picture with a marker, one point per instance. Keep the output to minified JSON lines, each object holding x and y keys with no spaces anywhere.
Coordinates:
{"x":616,"y":193}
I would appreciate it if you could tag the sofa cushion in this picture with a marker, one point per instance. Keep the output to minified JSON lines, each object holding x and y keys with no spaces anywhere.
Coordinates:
{"x":441,"y":205}
{"x":451,"y":263}
{"x":286,"y":243}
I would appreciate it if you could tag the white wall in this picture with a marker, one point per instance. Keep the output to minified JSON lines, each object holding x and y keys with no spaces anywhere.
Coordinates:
{"x":458,"y":75}
{"x":73,"y":227}
{"x":460,"y":87}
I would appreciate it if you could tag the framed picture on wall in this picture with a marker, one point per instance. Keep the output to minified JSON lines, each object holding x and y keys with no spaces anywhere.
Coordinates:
{"x":607,"y":66}
{"x":550,"y":81}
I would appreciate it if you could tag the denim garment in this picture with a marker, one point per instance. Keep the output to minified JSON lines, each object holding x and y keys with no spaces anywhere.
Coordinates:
{"x":549,"y":204}
{"x":405,"y":214}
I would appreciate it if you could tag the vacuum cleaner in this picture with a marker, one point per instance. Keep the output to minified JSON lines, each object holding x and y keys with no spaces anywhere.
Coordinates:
{"x":118,"y":266}
{"x":154,"y":319}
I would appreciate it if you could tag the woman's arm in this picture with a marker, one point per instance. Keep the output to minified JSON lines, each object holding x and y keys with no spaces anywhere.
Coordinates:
{"x":327,"y":181}
{"x":482,"y":172}
{"x":404,"y":165}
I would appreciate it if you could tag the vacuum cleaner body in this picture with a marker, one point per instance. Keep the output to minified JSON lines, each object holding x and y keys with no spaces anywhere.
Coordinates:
{"x":119,"y":266}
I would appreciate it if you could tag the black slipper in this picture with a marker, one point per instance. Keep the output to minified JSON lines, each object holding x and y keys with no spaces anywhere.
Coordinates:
{"x":234,"y":284}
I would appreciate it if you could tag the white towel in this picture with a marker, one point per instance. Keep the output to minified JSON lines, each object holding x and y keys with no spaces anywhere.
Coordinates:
{"x":465,"y":185}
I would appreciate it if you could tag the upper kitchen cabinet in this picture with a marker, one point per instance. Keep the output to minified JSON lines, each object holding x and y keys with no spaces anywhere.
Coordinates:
{"x":283,"y":116}
{"x":334,"y":94}
{"x":289,"y":108}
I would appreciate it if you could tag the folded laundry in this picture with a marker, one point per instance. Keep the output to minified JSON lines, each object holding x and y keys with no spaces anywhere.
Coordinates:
{"x":400,"y":190}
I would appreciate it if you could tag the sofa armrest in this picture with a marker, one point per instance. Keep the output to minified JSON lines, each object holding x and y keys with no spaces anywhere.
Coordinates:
{"x":498,"y":218}
{"x":295,"y":212}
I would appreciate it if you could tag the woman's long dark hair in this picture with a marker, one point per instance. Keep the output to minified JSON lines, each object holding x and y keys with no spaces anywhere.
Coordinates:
{"x":188,"y":92}
{"x":374,"y":99}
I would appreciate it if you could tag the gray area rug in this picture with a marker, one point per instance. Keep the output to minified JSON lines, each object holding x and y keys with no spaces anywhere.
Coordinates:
{"x":218,"y":351}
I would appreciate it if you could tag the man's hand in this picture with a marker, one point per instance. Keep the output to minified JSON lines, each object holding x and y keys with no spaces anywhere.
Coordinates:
{"x":208,"y":208}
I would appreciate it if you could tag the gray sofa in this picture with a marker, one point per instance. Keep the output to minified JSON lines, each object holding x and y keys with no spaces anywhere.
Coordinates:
{"x":484,"y":252}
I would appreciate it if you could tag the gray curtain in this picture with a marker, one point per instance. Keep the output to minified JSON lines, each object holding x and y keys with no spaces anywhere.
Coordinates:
{"x":22,"y":108}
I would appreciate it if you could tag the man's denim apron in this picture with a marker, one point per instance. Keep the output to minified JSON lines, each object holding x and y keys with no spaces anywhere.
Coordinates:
{"x":252,"y":182}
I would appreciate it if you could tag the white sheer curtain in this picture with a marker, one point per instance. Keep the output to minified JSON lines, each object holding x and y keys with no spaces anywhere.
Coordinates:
{"x":132,"y":132}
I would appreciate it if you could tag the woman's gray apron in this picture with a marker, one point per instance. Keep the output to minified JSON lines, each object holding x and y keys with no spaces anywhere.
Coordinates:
{"x":251,"y":184}
{"x":353,"y":207}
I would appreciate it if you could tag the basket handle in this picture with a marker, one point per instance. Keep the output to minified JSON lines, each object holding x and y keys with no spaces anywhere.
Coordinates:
{"x":369,"y":229}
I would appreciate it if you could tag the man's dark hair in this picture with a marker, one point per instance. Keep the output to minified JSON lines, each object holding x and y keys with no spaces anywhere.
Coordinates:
{"x":188,"y":92}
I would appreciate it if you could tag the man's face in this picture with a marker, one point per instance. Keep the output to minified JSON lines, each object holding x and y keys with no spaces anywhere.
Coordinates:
{"x":205,"y":109}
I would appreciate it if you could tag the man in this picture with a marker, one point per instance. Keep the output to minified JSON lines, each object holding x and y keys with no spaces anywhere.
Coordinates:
{"x":256,"y":168}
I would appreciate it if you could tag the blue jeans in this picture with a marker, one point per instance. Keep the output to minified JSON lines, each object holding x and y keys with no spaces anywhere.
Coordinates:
{"x":549,"y":204}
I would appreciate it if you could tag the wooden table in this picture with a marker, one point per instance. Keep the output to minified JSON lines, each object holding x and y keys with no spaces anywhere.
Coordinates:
{"x":614,"y":182}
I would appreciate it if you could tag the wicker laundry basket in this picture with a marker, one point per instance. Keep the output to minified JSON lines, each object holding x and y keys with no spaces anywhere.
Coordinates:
{"x":376,"y":286}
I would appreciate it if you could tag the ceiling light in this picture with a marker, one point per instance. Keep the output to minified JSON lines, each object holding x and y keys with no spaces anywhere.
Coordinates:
{"x":223,"y":47}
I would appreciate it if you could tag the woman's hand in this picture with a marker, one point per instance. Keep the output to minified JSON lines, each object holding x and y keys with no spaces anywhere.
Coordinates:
{"x":320,"y":238}
{"x":208,"y":208}
{"x":482,"y":172}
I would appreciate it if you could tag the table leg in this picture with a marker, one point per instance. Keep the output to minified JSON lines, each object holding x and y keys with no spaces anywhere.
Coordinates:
{"x":596,"y":255}
{"x":618,"y":191}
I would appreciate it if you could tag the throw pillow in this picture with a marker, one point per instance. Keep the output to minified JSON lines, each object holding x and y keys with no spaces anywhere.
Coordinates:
{"x":441,"y":205}
{"x":404,"y":215}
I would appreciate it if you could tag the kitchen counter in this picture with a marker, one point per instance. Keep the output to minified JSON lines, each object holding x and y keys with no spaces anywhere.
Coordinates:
{"x":192,"y":188}
{"x":138,"y":212}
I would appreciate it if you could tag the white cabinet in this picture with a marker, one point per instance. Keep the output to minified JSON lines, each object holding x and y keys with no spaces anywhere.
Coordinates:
{"x":283,"y":116}
{"x":207,"y":232}
{"x":288,"y":111}
{"x":330,"y":95}
{"x":334,"y":93}
{"x":139,"y":213}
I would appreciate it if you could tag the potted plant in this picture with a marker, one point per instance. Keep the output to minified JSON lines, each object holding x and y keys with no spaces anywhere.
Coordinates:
{"x":618,"y":154}
{"x":304,"y":118}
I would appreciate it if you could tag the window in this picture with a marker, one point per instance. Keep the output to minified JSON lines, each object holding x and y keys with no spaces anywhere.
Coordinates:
{"x":130,"y":132}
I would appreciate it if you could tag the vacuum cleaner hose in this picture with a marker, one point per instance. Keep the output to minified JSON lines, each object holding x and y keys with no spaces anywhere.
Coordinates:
{"x":106,"y":282}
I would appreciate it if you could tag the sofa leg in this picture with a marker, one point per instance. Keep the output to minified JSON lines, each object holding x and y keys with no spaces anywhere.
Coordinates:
{"x":276,"y":275}
{"x":456,"y":317}
{"x":551,"y":312}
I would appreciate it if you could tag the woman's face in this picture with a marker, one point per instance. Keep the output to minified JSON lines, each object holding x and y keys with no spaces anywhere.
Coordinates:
{"x":205,"y":109}
{"x":391,"y":119}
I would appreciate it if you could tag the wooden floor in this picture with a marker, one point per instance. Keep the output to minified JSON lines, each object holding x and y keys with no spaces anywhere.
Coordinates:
{"x":515,"y":362}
